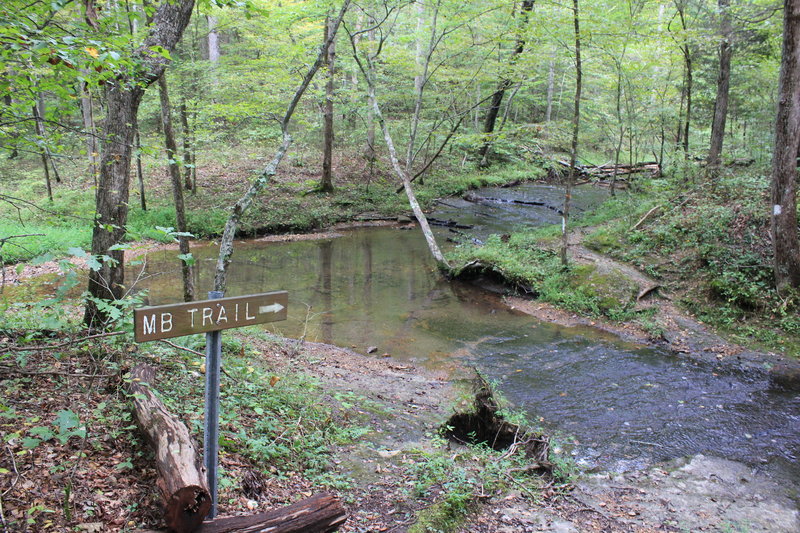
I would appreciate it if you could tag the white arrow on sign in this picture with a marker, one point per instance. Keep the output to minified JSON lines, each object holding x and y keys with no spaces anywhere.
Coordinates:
{"x":274,"y":308}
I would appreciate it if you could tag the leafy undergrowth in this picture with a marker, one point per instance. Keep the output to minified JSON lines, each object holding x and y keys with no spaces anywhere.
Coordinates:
{"x":73,"y":455}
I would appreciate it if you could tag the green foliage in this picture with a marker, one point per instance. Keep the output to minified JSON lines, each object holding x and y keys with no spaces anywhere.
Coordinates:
{"x":281,"y":420}
{"x":523,"y":262}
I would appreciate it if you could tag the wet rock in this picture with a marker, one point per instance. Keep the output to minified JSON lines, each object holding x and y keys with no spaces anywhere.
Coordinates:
{"x":786,"y":376}
{"x":402,"y":219}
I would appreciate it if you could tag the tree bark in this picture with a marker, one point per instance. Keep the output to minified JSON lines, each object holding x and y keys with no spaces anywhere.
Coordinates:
{"x":213,"y":40}
{"x":326,"y":183}
{"x":723,"y":88}
{"x":786,"y":248}
{"x":423,"y":63}
{"x":177,"y":189}
{"x":502,"y":87}
{"x":38,"y":114}
{"x":576,"y":119}
{"x":369,"y":149}
{"x":124,"y":95}
{"x":551,"y":75}
{"x":321,"y":513}
{"x":686,"y":51}
{"x":182,"y":479}
{"x":139,"y":172}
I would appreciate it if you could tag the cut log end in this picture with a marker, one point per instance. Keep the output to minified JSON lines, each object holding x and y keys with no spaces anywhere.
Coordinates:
{"x":188,"y":507}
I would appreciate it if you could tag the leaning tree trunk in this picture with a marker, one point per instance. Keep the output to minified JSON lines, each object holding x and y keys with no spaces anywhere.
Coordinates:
{"x":786,"y":246}
{"x":723,"y":89}
{"x":182,"y":480}
{"x":124,"y":94}
{"x":228,"y":234}
{"x":177,"y":189}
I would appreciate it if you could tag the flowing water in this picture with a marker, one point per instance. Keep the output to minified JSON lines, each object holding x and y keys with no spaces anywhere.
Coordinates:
{"x":617,"y":405}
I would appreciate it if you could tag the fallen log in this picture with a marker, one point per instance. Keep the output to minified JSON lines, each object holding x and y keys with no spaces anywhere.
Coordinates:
{"x":181,"y":476}
{"x":607,"y":172}
{"x":320,"y":513}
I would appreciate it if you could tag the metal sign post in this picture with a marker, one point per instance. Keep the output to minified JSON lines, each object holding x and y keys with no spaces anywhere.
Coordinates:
{"x":210,"y":317}
{"x":211,"y":423}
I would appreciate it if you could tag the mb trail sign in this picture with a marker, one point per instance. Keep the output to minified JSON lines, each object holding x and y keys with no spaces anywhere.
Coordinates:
{"x":209,"y":317}
{"x":177,"y":320}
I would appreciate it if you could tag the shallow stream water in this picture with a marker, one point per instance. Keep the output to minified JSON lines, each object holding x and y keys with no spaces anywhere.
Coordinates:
{"x":617,"y":405}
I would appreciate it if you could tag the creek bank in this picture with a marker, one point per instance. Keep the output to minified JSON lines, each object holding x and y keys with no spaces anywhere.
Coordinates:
{"x":669,"y":327}
{"x":695,"y":494}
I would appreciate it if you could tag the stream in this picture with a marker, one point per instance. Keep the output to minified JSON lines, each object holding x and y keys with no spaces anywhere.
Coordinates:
{"x":616,"y":405}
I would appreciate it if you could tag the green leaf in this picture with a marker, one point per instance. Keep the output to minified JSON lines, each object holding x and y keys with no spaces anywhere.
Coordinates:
{"x":42,"y":259}
{"x":67,"y":420}
{"x":77,"y":252}
{"x":187,"y":258}
{"x":40,"y":431}
{"x":93,"y":263}
{"x":28,"y":443}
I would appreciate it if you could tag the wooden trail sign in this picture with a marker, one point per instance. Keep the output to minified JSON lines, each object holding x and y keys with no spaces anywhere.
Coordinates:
{"x":177,"y":320}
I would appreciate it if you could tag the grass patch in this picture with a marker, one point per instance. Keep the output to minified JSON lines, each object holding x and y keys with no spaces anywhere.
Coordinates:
{"x":522,"y":261}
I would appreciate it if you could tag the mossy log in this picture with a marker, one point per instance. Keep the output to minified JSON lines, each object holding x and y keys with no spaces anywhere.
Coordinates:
{"x":182,"y":478}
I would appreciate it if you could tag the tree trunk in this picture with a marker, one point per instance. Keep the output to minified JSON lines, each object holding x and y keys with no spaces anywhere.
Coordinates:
{"x":505,"y":83}
{"x":326,"y":183}
{"x":686,"y":51}
{"x":423,"y":63}
{"x":177,"y":189}
{"x":188,"y":148}
{"x":551,"y":76}
{"x":38,"y":114}
{"x":723,"y":88}
{"x":441,"y":262}
{"x":321,"y":513}
{"x":369,"y":150}
{"x":576,"y":119}
{"x":107,"y":282}
{"x":40,"y":132}
{"x":87,"y":113}
{"x":785,"y":243}
{"x":124,"y":94}
{"x":182,"y":479}
{"x":213,"y":40}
